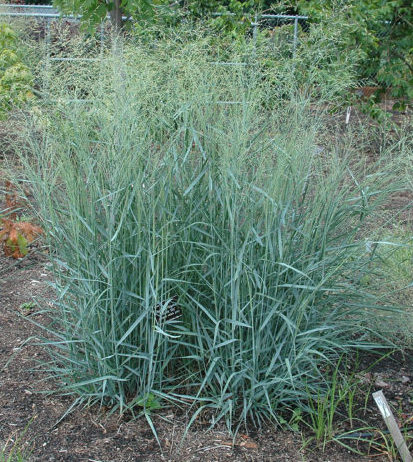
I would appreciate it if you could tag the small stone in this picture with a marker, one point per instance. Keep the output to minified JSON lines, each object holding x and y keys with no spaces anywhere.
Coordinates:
{"x":382,"y":384}
{"x":405,"y":379}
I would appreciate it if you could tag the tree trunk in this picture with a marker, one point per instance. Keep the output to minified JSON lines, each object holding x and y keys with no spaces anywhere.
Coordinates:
{"x":116,"y":16}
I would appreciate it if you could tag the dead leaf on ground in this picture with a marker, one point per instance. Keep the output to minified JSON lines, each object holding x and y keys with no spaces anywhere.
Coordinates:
{"x":249,"y":444}
{"x":16,"y":236}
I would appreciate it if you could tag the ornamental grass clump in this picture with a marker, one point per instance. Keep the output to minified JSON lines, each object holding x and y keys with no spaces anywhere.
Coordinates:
{"x":205,"y":248}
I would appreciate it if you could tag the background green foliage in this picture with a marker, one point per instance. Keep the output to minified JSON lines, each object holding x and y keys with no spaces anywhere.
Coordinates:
{"x":15,"y":77}
{"x":381,"y":32}
{"x":377,"y":33}
{"x":95,"y":11}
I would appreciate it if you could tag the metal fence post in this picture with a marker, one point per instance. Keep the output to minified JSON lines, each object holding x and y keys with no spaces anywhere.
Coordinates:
{"x":295,"y":36}
{"x":102,"y":38}
{"x":255,"y":36}
{"x":48,"y":56}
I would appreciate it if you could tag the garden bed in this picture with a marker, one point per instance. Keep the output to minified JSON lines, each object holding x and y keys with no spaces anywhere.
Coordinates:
{"x":93,"y":435}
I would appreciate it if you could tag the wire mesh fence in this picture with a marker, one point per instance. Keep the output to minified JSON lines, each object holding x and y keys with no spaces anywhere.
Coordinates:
{"x":49,"y":13}
{"x":52,"y":23}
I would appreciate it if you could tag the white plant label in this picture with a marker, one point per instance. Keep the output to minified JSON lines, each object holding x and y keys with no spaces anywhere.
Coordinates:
{"x":391,"y":424}
{"x":348,"y":115}
{"x":383,"y":407}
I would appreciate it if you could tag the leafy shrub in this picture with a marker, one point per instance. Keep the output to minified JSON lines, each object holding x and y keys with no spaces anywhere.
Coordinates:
{"x":382,"y":34}
{"x":378,"y":33}
{"x":174,"y":185}
{"x":15,"y":78}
